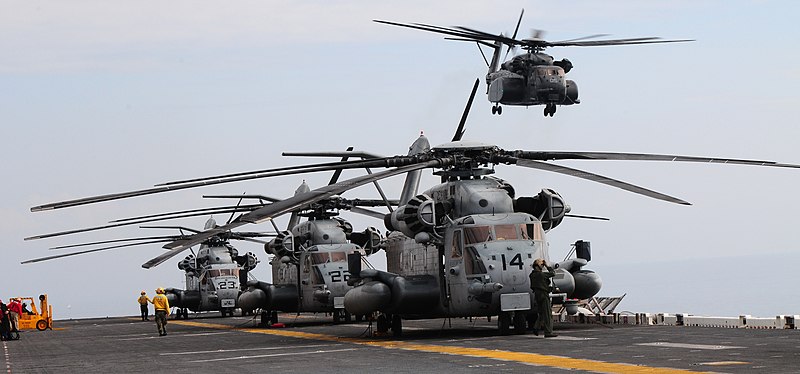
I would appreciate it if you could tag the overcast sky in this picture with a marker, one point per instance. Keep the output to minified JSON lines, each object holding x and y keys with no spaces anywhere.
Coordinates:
{"x":100,"y":97}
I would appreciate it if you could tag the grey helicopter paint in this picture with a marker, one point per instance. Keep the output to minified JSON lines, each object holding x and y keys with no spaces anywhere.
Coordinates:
{"x":213,"y":278}
{"x":531,"y":78}
{"x":309,"y":264}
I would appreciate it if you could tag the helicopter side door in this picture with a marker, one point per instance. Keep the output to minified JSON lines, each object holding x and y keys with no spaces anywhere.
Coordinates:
{"x":454,"y":273}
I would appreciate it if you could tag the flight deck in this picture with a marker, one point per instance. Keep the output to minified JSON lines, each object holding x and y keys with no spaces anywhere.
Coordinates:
{"x":312,"y":343}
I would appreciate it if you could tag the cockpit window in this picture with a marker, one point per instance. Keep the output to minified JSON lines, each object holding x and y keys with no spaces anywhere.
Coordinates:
{"x":531,"y":231}
{"x":506,"y":232}
{"x":455,"y":248}
{"x":472,"y":262}
{"x":223,"y":272}
{"x":338,"y":256}
{"x":319,"y":258}
{"x":477,"y":234}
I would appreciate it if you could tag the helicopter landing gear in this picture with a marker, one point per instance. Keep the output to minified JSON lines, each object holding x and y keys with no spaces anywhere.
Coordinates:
{"x":504,"y":322}
{"x":268,"y":318}
{"x":397,"y":326}
{"x":497,"y":109}
{"x":520,"y":322}
{"x":382,"y":324}
{"x":550,"y":109}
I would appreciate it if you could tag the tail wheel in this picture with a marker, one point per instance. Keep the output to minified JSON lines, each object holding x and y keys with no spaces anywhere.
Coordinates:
{"x":41,"y":325}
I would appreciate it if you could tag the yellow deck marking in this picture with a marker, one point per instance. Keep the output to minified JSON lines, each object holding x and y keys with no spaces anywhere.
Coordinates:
{"x":523,"y":357}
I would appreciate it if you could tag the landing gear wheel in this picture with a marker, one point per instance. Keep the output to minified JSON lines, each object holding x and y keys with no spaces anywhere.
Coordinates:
{"x":337,"y":316}
{"x":185,"y":313}
{"x":494,"y":109}
{"x":347,"y":317}
{"x":382,"y":324}
{"x":520,"y":323}
{"x":397,"y":326}
{"x":531,"y":318}
{"x":264,"y":318}
{"x":503,"y":322}
{"x":499,"y":110}
{"x":550,"y":109}
{"x":274,"y":316}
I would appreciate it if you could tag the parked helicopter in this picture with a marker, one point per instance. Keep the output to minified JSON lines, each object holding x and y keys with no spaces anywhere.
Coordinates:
{"x":214,"y":275}
{"x":534,"y":77}
{"x":309,"y":267}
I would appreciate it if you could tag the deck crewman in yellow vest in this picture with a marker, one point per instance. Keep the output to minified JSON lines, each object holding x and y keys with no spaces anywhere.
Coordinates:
{"x":161,"y":305}
{"x":143,"y":305}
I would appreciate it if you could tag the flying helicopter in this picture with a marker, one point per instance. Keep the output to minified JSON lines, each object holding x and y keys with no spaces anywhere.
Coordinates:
{"x":309,"y":267}
{"x":531,"y":78}
{"x":214,"y":275}
{"x":462,"y":247}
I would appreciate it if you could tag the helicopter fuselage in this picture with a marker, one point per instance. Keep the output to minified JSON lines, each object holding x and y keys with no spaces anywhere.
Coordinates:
{"x":532,"y":79}
{"x":213,"y":281}
{"x":312,"y":278}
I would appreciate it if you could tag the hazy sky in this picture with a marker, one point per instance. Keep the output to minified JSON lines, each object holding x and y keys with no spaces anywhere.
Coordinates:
{"x":100,"y":97}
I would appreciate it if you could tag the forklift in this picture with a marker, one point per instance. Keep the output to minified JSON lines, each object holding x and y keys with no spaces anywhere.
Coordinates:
{"x":31,"y":318}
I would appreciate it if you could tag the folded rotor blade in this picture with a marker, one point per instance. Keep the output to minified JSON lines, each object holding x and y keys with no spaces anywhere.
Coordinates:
{"x":90,"y":251}
{"x":201,"y":211}
{"x":162,"y":238}
{"x":200,"y":182}
{"x":367,"y":212}
{"x":293,"y":203}
{"x":598,"y":178}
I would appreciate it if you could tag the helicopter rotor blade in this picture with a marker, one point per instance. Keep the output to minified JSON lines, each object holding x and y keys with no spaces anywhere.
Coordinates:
{"x":632,"y":41}
{"x":163,"y":238}
{"x":40,"y":259}
{"x":514,"y":36}
{"x":587,"y":217}
{"x":549,"y":155}
{"x":596,"y":178}
{"x":200,"y":182}
{"x":338,"y":172}
{"x":237,"y":206}
{"x":274,"y":210}
{"x":201,"y":211}
{"x":127,"y":223}
{"x":367,"y":212}
{"x":460,"y":129}
{"x":583,"y":38}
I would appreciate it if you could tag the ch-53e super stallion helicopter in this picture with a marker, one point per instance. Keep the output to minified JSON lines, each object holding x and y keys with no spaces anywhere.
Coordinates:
{"x":309,"y":267}
{"x":214,"y":275}
{"x":531,"y":78}
{"x":463,"y":247}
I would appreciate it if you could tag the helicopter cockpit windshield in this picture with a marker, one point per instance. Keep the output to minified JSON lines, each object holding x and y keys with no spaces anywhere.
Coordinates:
{"x":223,"y":272}
{"x":483,"y":234}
